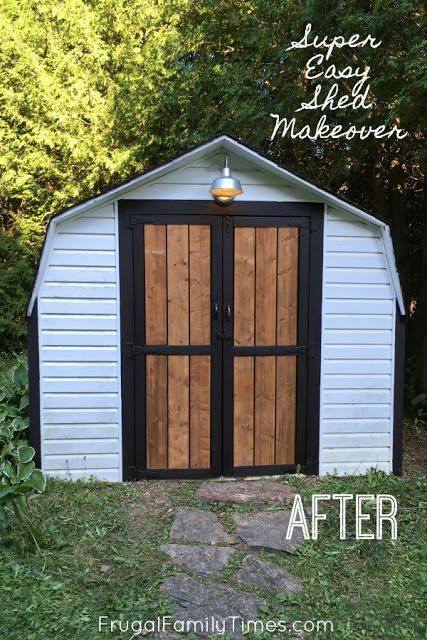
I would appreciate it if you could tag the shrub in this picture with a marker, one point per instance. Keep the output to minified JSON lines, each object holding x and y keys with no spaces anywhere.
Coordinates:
{"x":18,"y":475}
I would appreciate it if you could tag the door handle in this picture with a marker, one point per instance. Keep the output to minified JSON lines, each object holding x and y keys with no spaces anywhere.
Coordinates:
{"x":216,"y":311}
{"x":227,"y":312}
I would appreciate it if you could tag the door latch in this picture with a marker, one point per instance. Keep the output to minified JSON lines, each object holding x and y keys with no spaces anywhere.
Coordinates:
{"x":223,"y":336}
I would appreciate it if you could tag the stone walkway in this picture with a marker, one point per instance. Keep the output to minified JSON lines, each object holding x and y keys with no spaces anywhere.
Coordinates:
{"x":200,"y":544}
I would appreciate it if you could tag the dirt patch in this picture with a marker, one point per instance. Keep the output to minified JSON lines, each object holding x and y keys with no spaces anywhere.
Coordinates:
{"x":414,"y":450}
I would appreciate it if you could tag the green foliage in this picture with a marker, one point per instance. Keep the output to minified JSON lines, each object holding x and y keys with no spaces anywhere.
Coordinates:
{"x":16,"y":277}
{"x":18,"y":475}
{"x":418,"y":410}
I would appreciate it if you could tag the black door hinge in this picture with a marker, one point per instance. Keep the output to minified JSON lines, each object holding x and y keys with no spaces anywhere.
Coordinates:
{"x":132,"y":351}
{"x":311,"y":352}
{"x":132,"y":473}
{"x":228,"y":224}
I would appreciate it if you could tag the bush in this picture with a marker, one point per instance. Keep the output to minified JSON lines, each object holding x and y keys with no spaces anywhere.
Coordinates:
{"x":18,"y":475}
{"x":17,"y":262}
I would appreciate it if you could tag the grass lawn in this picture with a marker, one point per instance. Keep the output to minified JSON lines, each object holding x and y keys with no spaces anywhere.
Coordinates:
{"x":100,"y":556}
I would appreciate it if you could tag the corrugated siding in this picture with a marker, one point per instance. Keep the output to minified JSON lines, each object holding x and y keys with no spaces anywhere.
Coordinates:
{"x":357,"y":349}
{"x":79,"y":350}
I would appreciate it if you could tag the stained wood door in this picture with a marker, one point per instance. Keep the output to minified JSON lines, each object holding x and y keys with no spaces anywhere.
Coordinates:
{"x":265,"y":290}
{"x":177,"y":372}
{"x":220,"y":329}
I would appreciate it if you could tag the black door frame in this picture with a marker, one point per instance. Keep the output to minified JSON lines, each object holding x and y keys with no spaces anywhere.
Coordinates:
{"x":307,"y":216}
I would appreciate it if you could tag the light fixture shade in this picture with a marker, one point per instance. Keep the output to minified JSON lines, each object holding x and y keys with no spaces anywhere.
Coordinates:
{"x":225,"y":187}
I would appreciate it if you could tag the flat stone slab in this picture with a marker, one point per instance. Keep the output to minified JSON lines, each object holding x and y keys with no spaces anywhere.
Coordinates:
{"x":267,"y":530}
{"x":246,"y":491}
{"x":211,"y":604}
{"x":206,"y":561}
{"x":265,"y":574}
{"x":197,"y":525}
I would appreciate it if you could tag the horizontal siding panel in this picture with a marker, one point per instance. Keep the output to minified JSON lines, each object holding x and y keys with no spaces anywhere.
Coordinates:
{"x":78,"y":338}
{"x":369,"y":425}
{"x":356,"y":454}
{"x":355,"y":307}
{"x":103,"y":475}
{"x":263,"y":193}
{"x":86,"y":416}
{"x":350,"y":291}
{"x":80,"y":401}
{"x":339,"y":440}
{"x":78,"y":322}
{"x":351,"y":229}
{"x":77,"y":354}
{"x":79,"y":241}
{"x":92,"y":461}
{"x":354,"y":322}
{"x":356,"y":366}
{"x":82,"y":431}
{"x":80,"y":385}
{"x":363,"y":336}
{"x":79,"y":290}
{"x":344,"y":411}
{"x":203,"y":176}
{"x":354,"y":469}
{"x":354,"y":381}
{"x":355,"y":245}
{"x":365,"y":396}
{"x":357,"y":276}
{"x":80,"y":274}
{"x":340,"y":259}
{"x":356,"y":352}
{"x":83,"y":369}
{"x":82,"y":446}
{"x":79,"y":258}
{"x":88,"y":225}
{"x":79,"y":307}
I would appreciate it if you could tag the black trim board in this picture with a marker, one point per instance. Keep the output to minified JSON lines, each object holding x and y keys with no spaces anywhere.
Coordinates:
{"x":34,"y":382}
{"x":398,"y":399}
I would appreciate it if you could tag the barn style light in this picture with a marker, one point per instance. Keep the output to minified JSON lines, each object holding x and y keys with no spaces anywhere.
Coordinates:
{"x":225,"y":188}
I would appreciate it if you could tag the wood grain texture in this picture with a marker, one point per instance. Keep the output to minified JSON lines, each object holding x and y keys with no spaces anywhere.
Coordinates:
{"x":157,"y":412}
{"x":200,"y":284}
{"x":265,"y":409}
{"x":155,"y":284}
{"x":243,"y":418}
{"x":200,"y":412}
{"x":244,"y":286}
{"x":287,"y":286}
{"x":286,"y":409}
{"x":178,"y":412}
{"x":266,"y":280}
{"x":178,"y":289}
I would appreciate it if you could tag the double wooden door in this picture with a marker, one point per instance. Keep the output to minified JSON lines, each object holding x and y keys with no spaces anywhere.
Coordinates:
{"x":220,"y":326}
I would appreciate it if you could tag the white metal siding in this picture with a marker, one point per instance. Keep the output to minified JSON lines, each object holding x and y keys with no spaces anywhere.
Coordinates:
{"x":79,"y":350}
{"x":357,"y":348}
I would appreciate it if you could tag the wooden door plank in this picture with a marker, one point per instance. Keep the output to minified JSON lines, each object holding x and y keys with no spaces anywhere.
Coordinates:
{"x":178,"y":289}
{"x":200,"y":284}
{"x":200,"y":412}
{"x":243,"y":412}
{"x":287,"y":286}
{"x":265,"y":408}
{"x":266,"y":280}
{"x":157,"y":412}
{"x":155,"y":284}
{"x":178,"y":412}
{"x":244,"y":286}
{"x":286,"y":409}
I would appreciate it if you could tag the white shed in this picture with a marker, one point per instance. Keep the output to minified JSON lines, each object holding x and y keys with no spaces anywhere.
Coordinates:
{"x":172,"y":336}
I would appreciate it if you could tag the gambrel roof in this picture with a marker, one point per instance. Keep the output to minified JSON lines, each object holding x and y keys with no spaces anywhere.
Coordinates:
{"x":226,"y":144}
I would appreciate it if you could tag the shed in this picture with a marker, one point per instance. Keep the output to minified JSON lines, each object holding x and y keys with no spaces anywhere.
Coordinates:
{"x":171,"y":336}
